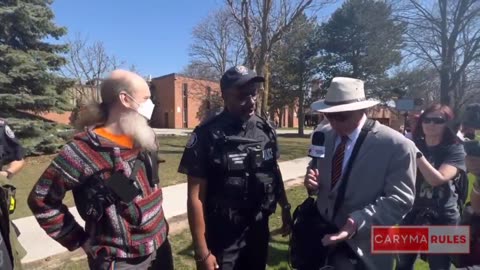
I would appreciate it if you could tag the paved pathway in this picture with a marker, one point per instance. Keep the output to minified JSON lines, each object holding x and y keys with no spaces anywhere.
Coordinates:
{"x":40,"y":246}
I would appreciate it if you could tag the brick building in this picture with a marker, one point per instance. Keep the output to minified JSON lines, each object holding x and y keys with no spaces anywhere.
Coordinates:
{"x":178,"y":100}
{"x":286,"y":118}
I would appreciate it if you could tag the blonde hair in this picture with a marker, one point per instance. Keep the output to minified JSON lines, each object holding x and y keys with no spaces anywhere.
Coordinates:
{"x":95,"y":113}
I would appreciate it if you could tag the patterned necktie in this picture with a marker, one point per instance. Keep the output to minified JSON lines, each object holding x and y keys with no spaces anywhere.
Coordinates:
{"x":338,"y":161}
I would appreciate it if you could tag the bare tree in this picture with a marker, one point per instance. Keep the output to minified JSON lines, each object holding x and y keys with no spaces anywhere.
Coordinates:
{"x":263,"y":23}
{"x":87,"y":64}
{"x":201,"y":70}
{"x":468,"y":88}
{"x":217,"y":42}
{"x":134,"y":68}
{"x":445,"y":34}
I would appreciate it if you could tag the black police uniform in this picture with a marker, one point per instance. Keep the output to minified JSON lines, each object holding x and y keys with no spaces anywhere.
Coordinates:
{"x":10,"y":150}
{"x":239,"y":162}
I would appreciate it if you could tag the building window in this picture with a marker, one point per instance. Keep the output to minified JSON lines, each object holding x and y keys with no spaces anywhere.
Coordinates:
{"x":185,"y":105}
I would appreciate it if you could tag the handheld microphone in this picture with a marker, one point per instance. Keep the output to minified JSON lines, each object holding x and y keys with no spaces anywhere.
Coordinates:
{"x":317,"y":148}
{"x":316,"y":151}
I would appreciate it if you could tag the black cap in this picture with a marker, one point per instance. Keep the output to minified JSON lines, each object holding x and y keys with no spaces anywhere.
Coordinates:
{"x":238,"y":76}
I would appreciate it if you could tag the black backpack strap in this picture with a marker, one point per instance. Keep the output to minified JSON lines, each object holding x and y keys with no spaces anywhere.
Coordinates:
{"x":136,"y":167}
{"x":367,"y":127}
{"x":460,"y":183}
{"x":150,"y":159}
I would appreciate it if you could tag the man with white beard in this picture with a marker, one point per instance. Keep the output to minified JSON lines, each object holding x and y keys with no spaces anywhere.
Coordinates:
{"x":112,"y":171}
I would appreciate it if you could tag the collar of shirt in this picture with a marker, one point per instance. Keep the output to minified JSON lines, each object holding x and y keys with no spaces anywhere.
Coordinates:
{"x":352,"y":139}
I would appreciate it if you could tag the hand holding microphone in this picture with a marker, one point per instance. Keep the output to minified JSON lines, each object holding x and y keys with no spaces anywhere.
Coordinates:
{"x":310,"y":181}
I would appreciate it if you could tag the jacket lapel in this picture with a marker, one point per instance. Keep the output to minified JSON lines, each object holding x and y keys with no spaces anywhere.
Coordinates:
{"x":329,"y":147}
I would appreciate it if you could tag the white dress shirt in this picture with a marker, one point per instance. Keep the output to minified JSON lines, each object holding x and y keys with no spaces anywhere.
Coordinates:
{"x":352,"y":139}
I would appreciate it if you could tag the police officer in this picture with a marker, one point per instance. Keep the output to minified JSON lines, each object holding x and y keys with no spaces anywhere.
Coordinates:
{"x":11,"y":161}
{"x":234,"y":181}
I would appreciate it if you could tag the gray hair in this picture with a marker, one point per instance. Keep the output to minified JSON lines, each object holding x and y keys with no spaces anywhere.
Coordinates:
{"x":96,"y":113}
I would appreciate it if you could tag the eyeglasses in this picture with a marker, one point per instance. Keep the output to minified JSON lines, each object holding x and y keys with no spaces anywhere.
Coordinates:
{"x":339,"y":117}
{"x":434,"y":120}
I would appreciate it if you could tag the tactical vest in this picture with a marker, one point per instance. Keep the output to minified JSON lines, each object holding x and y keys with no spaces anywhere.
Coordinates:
{"x":245,"y":175}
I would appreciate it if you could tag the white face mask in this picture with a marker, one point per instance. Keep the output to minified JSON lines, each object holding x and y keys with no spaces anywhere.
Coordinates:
{"x":145,"y":109}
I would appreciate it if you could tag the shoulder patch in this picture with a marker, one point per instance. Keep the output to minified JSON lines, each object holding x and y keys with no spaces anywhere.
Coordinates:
{"x":192,"y":140}
{"x":9,"y":132}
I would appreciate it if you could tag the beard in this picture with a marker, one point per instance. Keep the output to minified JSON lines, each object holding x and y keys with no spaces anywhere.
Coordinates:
{"x":136,"y":126}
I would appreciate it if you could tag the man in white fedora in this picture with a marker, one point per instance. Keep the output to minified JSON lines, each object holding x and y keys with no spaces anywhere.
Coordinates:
{"x":366,"y":178}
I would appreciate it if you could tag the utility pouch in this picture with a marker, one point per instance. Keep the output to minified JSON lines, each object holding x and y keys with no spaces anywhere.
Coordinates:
{"x":11,"y":201}
{"x":123,"y":187}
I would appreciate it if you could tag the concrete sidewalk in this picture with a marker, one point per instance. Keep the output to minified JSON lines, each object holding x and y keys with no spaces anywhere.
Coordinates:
{"x":40,"y":246}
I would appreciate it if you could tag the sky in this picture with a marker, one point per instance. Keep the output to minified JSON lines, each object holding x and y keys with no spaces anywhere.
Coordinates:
{"x":154,"y":35}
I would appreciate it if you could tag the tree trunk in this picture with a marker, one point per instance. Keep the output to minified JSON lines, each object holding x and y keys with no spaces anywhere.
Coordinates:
{"x":266,"y":87}
{"x":301,"y":111}
{"x":445,"y":68}
{"x":260,"y":69}
{"x":281,"y":116}
{"x":444,"y":87}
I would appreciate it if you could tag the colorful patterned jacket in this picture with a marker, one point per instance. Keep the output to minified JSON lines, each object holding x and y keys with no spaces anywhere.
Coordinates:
{"x":125,"y":230}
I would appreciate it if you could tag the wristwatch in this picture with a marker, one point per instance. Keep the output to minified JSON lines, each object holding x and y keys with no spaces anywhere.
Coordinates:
{"x":419,"y":154}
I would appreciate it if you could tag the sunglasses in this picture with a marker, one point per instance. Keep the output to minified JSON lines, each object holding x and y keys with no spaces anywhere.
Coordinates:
{"x":434,"y":120}
{"x":339,"y":117}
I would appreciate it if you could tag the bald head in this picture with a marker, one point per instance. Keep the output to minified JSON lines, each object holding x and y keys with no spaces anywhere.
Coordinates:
{"x":122,"y":81}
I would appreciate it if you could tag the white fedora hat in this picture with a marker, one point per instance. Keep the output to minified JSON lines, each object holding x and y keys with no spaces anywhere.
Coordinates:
{"x":343,"y":95}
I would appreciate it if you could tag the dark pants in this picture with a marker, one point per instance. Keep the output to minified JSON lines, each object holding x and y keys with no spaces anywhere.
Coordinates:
{"x":240,"y":247}
{"x":435,"y":262}
{"x":341,"y":257}
{"x":161,"y":259}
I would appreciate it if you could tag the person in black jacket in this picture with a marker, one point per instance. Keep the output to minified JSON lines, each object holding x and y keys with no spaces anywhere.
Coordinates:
{"x":234,"y":181}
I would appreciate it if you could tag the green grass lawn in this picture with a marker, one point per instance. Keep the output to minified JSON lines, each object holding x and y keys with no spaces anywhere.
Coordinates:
{"x":278,"y":248}
{"x":171,"y":149}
